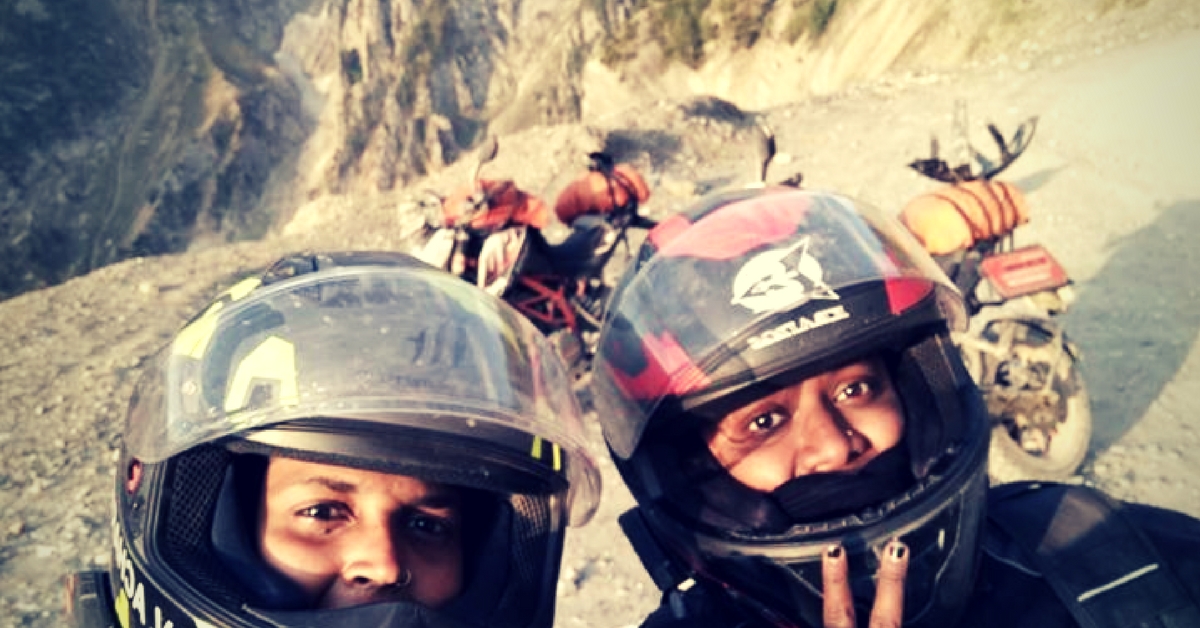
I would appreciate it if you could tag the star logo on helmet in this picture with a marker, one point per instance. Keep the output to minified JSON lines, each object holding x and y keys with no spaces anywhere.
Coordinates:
{"x":781,"y":278}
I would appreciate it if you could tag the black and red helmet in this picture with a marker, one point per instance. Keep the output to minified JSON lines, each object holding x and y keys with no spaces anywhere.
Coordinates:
{"x":751,"y":291}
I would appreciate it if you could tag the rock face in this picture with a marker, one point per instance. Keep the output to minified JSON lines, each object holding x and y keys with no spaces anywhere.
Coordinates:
{"x":403,"y":86}
{"x":131,"y":128}
{"x":143,"y":127}
{"x":140,"y":128}
{"x":60,"y":125}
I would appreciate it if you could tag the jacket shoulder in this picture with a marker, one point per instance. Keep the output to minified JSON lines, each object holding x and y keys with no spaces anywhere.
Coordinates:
{"x":1103,"y":557}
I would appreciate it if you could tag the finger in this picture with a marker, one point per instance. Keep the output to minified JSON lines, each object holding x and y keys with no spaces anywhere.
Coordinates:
{"x":839,"y":605}
{"x":888,"y":610}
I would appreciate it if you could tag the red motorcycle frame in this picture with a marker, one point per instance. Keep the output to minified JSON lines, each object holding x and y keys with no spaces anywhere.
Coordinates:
{"x":490,"y":234}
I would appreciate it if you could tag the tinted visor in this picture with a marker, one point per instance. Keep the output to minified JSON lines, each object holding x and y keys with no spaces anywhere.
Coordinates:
{"x":752,"y":289}
{"x":367,"y":348}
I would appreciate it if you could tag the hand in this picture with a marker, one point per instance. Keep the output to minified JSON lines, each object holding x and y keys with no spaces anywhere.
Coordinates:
{"x":889,"y":588}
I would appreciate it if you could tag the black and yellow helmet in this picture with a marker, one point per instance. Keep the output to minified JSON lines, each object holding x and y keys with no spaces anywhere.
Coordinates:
{"x":368,"y":360}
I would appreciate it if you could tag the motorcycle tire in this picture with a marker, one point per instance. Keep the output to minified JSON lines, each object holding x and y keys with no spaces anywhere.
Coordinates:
{"x":1036,"y":397}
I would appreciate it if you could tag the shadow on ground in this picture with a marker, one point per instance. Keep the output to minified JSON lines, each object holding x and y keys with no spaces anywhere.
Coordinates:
{"x":1032,"y":182}
{"x":1137,"y":320}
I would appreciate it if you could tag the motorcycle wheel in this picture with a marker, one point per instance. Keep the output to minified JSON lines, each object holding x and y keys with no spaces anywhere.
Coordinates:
{"x":1036,"y":398}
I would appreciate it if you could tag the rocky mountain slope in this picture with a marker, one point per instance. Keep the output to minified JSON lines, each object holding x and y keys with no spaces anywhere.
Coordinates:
{"x":144,"y":127}
{"x":1110,"y":174}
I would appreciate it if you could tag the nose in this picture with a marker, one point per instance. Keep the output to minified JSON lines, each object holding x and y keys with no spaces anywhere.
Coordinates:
{"x":823,"y":444}
{"x":371,"y":556}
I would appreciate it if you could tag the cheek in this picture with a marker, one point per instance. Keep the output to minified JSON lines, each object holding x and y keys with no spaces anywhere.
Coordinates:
{"x":303,"y":561}
{"x":437,"y":575}
{"x":884,"y":427}
{"x":762,"y":469}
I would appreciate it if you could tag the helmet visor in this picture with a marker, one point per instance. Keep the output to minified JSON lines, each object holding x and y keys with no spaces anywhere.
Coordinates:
{"x":747,"y":291}
{"x":407,"y":347}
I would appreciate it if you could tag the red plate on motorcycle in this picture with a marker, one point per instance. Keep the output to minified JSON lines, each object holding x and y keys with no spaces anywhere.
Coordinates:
{"x":1024,"y":271}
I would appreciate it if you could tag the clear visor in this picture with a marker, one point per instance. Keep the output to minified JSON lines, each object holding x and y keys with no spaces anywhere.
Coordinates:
{"x":395,"y":346}
{"x":838,"y":270}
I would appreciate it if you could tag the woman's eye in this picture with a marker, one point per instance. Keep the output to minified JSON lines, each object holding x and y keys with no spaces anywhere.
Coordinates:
{"x":766,"y":421}
{"x":854,"y":390}
{"x":323,"y":512}
{"x":427,"y":525}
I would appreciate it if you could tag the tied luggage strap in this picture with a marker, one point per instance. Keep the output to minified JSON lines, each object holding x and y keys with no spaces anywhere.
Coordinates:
{"x":1102,"y":568}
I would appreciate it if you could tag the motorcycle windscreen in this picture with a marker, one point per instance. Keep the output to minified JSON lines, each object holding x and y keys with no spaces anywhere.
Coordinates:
{"x":437,"y":251}
{"x":498,"y":259}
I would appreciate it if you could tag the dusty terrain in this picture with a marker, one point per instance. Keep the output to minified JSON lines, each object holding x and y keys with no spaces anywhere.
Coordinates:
{"x":1112,"y":176}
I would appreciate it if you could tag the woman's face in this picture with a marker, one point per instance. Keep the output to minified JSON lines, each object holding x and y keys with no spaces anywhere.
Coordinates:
{"x":351,"y":537}
{"x":836,"y":421}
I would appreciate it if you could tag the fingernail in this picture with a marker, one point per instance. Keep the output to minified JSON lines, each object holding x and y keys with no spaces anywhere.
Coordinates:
{"x":898,"y":550}
{"x":834,"y":551}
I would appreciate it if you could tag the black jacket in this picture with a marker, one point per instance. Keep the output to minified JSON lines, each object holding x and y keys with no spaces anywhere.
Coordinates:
{"x":1016,"y":587}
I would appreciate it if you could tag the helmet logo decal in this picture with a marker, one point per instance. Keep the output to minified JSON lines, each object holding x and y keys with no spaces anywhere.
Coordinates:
{"x":798,"y":326}
{"x":134,"y":600}
{"x":780,"y":278}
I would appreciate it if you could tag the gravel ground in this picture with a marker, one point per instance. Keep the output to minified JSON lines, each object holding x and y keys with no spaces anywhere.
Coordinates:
{"x":1112,"y":177}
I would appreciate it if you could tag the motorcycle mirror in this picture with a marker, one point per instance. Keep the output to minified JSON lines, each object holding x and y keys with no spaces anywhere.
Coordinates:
{"x":1022,"y":137}
{"x":487,"y":153}
{"x":431,"y":207}
{"x":1011,"y":149}
{"x":766,"y":150}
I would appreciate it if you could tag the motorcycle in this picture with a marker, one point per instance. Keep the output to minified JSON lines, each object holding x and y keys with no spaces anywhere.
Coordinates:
{"x":490,"y":233}
{"x":1015,"y":347}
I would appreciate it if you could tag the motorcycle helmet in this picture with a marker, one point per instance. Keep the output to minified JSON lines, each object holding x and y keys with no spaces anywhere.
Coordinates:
{"x":374,"y":361}
{"x":752,"y":291}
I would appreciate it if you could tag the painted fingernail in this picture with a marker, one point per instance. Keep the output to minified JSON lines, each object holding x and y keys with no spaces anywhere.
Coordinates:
{"x":898,"y":550}
{"x":834,"y":551}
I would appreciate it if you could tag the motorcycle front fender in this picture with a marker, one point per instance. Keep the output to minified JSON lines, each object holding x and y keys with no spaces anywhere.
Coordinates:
{"x":89,"y":602}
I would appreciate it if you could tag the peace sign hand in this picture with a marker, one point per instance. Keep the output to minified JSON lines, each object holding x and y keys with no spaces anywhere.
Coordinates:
{"x":889,"y":588}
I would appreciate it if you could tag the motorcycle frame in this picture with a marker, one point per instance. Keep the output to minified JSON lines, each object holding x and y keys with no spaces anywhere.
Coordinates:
{"x":548,"y":306}
{"x":550,"y":298}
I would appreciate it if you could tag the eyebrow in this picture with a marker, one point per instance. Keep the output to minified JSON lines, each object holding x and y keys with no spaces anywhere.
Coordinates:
{"x":337,"y":486}
{"x":438,"y":496}
{"x":440,"y":499}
